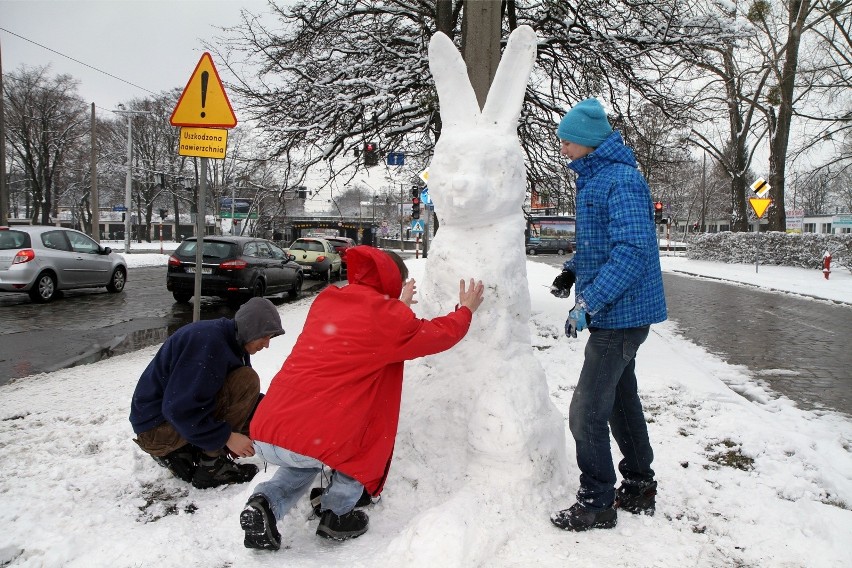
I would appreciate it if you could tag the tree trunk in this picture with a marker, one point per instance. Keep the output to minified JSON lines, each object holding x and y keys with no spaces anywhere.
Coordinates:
{"x":481,"y":44}
{"x":779,"y":137}
{"x":738,"y":160}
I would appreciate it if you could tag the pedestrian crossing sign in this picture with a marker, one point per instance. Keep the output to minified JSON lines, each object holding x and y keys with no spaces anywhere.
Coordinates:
{"x":417,"y":225}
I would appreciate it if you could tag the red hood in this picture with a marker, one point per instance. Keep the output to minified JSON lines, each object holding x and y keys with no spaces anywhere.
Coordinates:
{"x":372,"y":267}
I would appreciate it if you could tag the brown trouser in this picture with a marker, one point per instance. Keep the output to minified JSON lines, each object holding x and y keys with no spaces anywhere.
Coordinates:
{"x":234,"y":404}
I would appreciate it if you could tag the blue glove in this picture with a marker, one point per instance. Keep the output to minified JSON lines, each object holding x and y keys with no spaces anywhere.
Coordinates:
{"x":577,"y":320}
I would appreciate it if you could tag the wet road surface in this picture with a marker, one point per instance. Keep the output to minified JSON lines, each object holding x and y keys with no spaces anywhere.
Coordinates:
{"x":86,"y":326}
{"x":799,"y":346}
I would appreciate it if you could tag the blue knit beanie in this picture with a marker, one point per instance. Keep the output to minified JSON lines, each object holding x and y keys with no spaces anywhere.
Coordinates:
{"x":585,"y":124}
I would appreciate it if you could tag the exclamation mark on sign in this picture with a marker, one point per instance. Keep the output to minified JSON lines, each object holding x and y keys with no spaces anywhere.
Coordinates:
{"x":204,"y":77}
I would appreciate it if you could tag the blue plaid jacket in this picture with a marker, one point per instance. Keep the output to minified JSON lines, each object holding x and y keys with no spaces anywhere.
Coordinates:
{"x":617,"y":263}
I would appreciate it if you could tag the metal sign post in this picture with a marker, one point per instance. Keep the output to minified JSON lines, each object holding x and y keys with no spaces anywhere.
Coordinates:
{"x":200,"y":218}
{"x":759,"y":205}
{"x":203,"y":109}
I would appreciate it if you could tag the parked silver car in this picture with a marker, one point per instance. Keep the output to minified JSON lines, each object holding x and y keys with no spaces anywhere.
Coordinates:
{"x":42,"y":260}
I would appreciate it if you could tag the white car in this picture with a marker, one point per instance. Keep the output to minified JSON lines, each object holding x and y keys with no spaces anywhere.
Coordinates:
{"x":42,"y":260}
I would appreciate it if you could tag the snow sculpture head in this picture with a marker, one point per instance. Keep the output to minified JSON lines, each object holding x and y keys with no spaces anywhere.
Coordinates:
{"x":477,"y":172}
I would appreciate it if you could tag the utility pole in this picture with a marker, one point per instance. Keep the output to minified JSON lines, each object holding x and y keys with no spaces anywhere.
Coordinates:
{"x":481,"y":44}
{"x":703,"y":190}
{"x":127,"y":197}
{"x":4,"y":189}
{"x":93,"y":194}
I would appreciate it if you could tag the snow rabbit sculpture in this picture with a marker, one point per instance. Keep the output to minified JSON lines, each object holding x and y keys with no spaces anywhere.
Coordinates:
{"x":501,"y":435}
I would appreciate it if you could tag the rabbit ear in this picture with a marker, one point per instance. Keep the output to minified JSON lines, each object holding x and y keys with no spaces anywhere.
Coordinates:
{"x":455,"y":94}
{"x":506,"y":95}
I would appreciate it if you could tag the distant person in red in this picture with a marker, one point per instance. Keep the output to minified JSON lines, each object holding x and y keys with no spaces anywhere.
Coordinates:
{"x":336,"y":399}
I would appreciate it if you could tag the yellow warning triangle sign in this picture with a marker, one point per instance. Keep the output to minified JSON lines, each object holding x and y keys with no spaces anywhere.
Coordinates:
{"x":204,"y":103}
{"x":759,"y":205}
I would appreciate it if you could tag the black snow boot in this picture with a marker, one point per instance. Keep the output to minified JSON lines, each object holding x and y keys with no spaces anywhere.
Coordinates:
{"x":222,"y":470}
{"x":316,"y":496}
{"x":182,"y":462}
{"x":258,"y":522}
{"x":579,"y":518}
{"x":348,"y":525}
{"x":637,"y":497}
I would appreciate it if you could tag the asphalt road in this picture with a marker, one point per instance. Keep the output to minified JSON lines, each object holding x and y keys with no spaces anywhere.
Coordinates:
{"x":88,"y":325}
{"x":797,"y":346}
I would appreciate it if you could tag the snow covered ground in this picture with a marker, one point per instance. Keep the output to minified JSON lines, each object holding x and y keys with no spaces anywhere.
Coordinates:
{"x":745,"y":479}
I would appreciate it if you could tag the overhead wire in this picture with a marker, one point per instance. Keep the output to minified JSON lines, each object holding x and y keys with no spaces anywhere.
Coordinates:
{"x":78,"y":61}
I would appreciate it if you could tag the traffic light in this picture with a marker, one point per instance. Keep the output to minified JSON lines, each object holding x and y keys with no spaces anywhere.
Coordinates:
{"x":415,"y":207}
{"x":415,"y":191}
{"x":658,"y":212}
{"x":371,"y":153}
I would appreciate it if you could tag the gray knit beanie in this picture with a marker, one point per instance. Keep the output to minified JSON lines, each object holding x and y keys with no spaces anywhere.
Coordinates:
{"x":257,"y":318}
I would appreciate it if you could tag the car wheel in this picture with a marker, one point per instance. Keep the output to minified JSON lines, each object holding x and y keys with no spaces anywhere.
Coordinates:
{"x":531,"y":252}
{"x":297,"y":288}
{"x":44,"y":289}
{"x":326,"y":275}
{"x":560,"y":252}
{"x":257,"y":291}
{"x":116,"y":283}
{"x":182,"y":297}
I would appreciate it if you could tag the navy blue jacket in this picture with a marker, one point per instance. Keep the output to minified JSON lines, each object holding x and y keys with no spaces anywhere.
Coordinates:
{"x":181,"y":383}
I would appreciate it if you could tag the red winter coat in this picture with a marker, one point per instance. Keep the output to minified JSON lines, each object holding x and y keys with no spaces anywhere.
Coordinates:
{"x":337,"y":396}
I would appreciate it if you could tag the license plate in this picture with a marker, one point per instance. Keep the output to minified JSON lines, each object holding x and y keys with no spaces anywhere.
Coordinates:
{"x":203,"y":270}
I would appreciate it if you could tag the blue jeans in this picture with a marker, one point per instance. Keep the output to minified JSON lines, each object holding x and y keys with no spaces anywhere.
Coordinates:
{"x":295,"y":475}
{"x":606,"y":397}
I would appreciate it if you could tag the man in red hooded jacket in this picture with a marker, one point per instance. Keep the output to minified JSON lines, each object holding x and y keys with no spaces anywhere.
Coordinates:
{"x":336,"y":399}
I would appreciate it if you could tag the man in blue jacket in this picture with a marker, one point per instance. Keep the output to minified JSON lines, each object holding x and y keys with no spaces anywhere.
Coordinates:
{"x":618,"y":294}
{"x":193,"y":403}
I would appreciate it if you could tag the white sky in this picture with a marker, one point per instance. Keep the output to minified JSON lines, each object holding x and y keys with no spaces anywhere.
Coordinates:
{"x":77,"y":492}
{"x":154,"y":44}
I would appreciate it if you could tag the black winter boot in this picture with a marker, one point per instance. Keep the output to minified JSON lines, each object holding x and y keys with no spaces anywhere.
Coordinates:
{"x":637,"y":497}
{"x":222,"y":470}
{"x":182,"y":462}
{"x":258,"y":522}
{"x":316,"y":497}
{"x":348,"y":525}
{"x":579,"y":518}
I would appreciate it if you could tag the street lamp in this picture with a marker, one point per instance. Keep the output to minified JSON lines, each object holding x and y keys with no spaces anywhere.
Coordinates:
{"x":127,"y":197}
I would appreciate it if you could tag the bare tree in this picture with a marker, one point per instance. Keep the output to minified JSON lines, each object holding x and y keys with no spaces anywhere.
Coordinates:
{"x":783,"y":26}
{"x":335,"y":74}
{"x":44,"y":119}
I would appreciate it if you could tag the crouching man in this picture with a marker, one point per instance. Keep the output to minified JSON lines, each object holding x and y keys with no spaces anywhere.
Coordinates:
{"x":192,"y":405}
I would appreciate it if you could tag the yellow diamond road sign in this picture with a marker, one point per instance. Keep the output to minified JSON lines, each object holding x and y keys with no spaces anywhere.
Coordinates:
{"x":760,"y":187}
{"x":204,"y":103}
{"x":759,"y":205}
